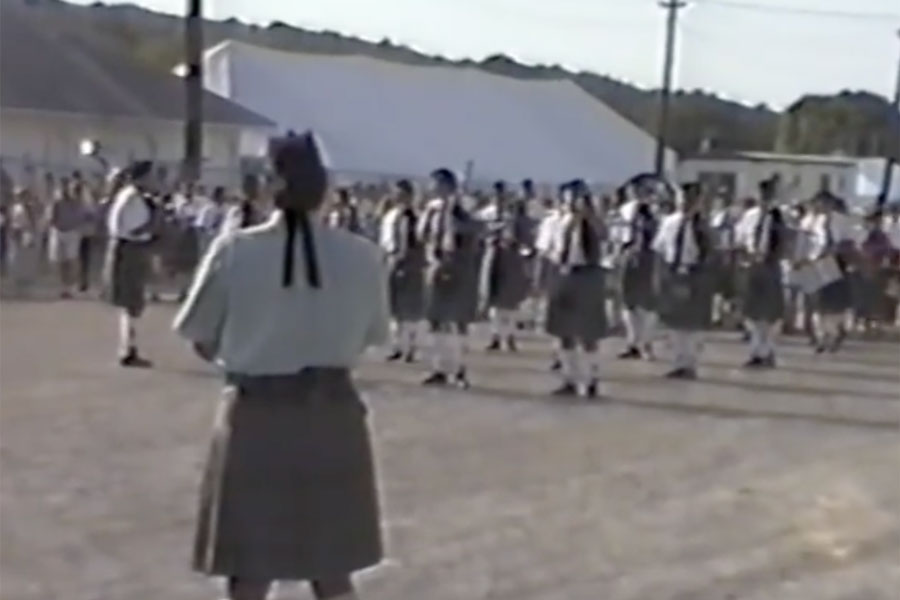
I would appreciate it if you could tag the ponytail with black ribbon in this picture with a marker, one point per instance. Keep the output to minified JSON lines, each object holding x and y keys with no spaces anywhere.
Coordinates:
{"x":297,"y":162}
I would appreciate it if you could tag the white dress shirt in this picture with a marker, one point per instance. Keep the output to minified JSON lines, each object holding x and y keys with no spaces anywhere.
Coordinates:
{"x":665,"y":242}
{"x":237,"y":302}
{"x":745,"y":231}
{"x":546,"y":232}
{"x":387,"y":230}
{"x":819,"y":226}
{"x":129,"y":213}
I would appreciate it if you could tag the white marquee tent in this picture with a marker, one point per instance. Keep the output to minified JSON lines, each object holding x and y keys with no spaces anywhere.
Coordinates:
{"x":870,"y":178}
{"x":377,"y":118}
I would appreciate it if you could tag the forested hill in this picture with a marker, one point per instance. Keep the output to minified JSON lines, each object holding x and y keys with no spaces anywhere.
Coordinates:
{"x":856,"y":123}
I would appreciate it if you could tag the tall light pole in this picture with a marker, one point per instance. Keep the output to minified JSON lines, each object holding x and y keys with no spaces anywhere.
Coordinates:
{"x":665,"y":93}
{"x":193,"y":123}
{"x":890,"y":160}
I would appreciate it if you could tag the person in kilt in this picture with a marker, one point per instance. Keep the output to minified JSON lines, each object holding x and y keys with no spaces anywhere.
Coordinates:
{"x":761,"y":236}
{"x":504,"y":281}
{"x":546,"y":269}
{"x":451,"y":239}
{"x":636,"y":258}
{"x":131,"y":222}
{"x":682,"y":245}
{"x":576,"y":314}
{"x":831,"y":237}
{"x":406,"y":262}
{"x":286,"y":309}
{"x":723,"y":261}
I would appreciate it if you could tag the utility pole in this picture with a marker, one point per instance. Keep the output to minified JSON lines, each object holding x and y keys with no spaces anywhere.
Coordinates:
{"x":193,"y":124}
{"x":662,"y":127}
{"x":890,"y":160}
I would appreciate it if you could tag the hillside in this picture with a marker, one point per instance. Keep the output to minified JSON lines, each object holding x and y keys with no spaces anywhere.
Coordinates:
{"x":857,"y":122}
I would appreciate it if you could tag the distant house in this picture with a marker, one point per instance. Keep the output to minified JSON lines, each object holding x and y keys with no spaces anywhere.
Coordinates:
{"x":737,"y":174}
{"x":56,"y":90}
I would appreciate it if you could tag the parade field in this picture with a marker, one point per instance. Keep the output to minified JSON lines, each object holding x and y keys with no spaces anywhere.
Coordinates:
{"x":776,"y":485}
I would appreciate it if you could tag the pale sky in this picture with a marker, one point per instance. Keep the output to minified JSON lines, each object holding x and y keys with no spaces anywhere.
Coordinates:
{"x":749,"y":50}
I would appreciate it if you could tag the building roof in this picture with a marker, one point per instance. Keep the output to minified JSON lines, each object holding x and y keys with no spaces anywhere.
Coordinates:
{"x":47,"y":69}
{"x":807,"y":159}
{"x":386,"y":118}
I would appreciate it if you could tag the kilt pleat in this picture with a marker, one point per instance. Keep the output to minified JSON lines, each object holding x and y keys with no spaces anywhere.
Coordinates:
{"x":507,"y":278}
{"x":637,"y":282}
{"x":125,"y":274}
{"x":577,"y":306}
{"x":684,"y":299}
{"x":407,"y":289}
{"x":763,"y":293}
{"x":289,"y":488}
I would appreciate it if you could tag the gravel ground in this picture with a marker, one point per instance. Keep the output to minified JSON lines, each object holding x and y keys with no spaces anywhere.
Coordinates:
{"x":774,"y":486}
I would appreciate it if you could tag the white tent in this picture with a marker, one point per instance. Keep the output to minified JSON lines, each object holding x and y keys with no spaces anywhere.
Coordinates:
{"x":378,"y":118}
{"x":870,"y":178}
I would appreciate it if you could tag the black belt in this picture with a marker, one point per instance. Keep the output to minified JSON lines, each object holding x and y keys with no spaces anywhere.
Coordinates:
{"x":289,"y":384}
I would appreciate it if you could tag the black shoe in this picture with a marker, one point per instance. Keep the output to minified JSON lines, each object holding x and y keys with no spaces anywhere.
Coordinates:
{"x":591,"y":390}
{"x":566,"y":389}
{"x":755,"y":362}
{"x":769,"y":362}
{"x":133,"y":360}
{"x":632,"y":353}
{"x":494,"y":346}
{"x":511,"y":344}
{"x":394,"y":356}
{"x":461,"y":379}
{"x":820,"y":347}
{"x":556,"y":365}
{"x":435,"y":379}
{"x":745,"y":336}
{"x":688,"y":374}
{"x":409,"y":357}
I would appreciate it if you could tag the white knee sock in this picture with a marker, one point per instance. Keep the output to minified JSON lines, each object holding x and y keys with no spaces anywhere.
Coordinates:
{"x":757,"y":338}
{"x":456,"y":352}
{"x":440,"y":361}
{"x":648,"y":329}
{"x":127,"y":333}
{"x":633,"y":330}
{"x":590,"y":368}
{"x":569,"y":370}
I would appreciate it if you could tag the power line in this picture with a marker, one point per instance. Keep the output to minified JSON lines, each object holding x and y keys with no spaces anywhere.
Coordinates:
{"x":838,"y":14}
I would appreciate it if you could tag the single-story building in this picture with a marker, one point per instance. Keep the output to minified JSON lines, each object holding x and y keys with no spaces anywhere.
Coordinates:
{"x":737,"y":174}
{"x":57,"y":89}
{"x":378,"y":119}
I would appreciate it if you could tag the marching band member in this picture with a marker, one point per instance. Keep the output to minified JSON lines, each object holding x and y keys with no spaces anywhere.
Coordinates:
{"x":406,"y":261}
{"x":130,"y":222}
{"x":761,"y":235}
{"x":682,"y":244}
{"x":503,"y":283}
{"x":546,"y":270}
{"x":831,"y":245}
{"x":345,"y":214}
{"x":722,"y":223}
{"x":286,"y":309}
{"x":450,"y":235}
{"x":636,"y":232}
{"x":576,"y":314}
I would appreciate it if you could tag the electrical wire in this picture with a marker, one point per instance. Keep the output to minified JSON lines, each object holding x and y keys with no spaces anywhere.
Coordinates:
{"x":838,"y":14}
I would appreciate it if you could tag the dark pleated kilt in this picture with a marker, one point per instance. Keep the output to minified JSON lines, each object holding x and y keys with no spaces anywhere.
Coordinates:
{"x":545,"y":275}
{"x":684,"y":298}
{"x":451,"y":292}
{"x":835,"y":297}
{"x":125,"y":273}
{"x":507,"y":283}
{"x":407,"y":289}
{"x":726,"y":274}
{"x":577,"y":307}
{"x":289,"y":488}
{"x":637,"y":282}
{"x":871,"y":300}
{"x":762,"y":296}
{"x":184,"y":250}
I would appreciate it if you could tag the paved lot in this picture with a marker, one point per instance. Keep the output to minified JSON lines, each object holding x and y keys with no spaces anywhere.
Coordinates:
{"x":778,"y":486}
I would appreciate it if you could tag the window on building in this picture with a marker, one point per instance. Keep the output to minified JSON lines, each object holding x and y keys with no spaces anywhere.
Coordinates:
{"x":825,"y":182}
